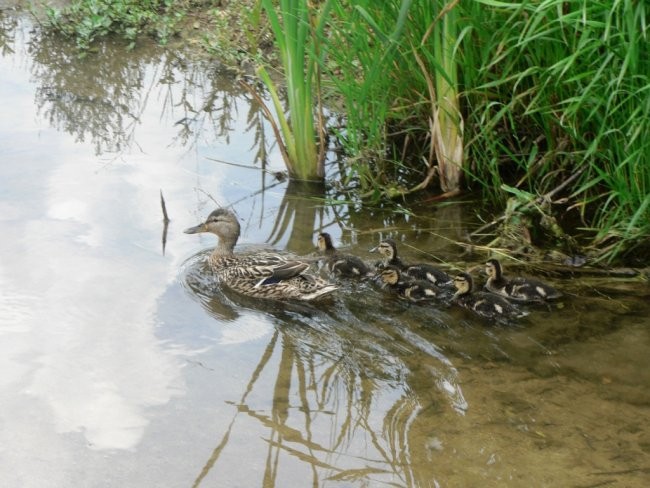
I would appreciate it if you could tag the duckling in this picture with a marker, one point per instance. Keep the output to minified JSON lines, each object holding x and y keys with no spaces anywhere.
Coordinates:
{"x":423,"y":271}
{"x":412,"y":289}
{"x":518,"y":289}
{"x":484,"y":304}
{"x":344,"y":265}
{"x":261,"y":275}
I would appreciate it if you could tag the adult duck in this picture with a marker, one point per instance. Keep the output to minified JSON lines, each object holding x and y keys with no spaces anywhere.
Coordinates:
{"x":261,"y":275}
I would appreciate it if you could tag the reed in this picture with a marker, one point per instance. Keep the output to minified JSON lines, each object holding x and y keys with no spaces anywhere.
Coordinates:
{"x":362,"y":48}
{"x":393,"y":64}
{"x":557,"y":87}
{"x":297,"y":28}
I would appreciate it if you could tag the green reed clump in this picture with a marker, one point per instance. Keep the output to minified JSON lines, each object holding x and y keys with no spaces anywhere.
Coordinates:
{"x":88,"y":20}
{"x":558,"y":87}
{"x":297,"y":28}
{"x":360,"y":53}
{"x":393,"y":64}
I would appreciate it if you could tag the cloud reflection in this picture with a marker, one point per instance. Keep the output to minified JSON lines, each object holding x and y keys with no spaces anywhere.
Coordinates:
{"x":82,"y":275}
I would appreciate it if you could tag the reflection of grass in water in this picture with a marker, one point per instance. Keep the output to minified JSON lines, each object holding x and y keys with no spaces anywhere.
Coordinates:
{"x":345,"y":369}
{"x":365,"y":367}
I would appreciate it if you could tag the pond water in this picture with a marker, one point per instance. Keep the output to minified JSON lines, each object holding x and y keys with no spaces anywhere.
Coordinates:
{"x":123,"y":363}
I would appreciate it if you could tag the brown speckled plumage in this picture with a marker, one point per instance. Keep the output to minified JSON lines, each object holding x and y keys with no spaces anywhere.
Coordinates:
{"x":261,"y":275}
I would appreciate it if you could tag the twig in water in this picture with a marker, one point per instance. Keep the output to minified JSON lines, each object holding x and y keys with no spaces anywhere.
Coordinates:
{"x":165,"y":221}
{"x":164,"y":208}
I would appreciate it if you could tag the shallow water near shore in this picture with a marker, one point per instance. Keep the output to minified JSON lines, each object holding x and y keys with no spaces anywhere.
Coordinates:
{"x":125,"y":363}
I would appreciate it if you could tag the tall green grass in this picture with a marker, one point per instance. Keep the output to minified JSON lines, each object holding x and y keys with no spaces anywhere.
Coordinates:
{"x":393,"y":64}
{"x":532,"y":91}
{"x":297,"y":28}
{"x":361,"y":50}
{"x":554,"y":87}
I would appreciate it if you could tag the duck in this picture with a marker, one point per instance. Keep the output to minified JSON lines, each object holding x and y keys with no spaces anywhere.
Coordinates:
{"x":345,"y":265}
{"x":406,"y":287}
{"x":260,"y":275}
{"x":423,"y":271}
{"x":518,"y":289}
{"x":485,"y":304}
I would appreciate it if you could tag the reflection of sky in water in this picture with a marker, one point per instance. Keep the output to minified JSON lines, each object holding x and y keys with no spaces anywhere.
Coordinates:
{"x":82,"y":270}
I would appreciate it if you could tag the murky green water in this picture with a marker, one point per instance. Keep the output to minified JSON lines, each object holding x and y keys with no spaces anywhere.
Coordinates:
{"x":121,"y":365}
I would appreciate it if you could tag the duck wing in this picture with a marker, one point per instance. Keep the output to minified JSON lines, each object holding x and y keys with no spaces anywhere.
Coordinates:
{"x":528,"y":290}
{"x":282,"y":272}
{"x":260,"y":267}
{"x":429,"y":273}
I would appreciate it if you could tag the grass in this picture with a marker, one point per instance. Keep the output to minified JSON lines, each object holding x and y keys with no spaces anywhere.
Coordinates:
{"x":559,"y":87}
{"x":393,"y":64}
{"x":88,"y":20}
{"x":297,"y":28}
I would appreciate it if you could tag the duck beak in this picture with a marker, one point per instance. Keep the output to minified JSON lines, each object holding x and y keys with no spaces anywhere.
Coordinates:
{"x":374,"y":249}
{"x":197,"y":229}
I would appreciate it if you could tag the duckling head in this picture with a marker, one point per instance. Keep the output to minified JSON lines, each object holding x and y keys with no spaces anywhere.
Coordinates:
{"x":324,"y":242}
{"x":386,"y":248}
{"x":221,"y":222}
{"x":493,"y":269}
{"x":463,"y":283}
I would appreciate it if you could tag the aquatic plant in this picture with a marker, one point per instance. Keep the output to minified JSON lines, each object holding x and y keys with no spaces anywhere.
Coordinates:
{"x":394,"y":65}
{"x":297,"y":27}
{"x":87,"y":20}
{"x":553,"y":88}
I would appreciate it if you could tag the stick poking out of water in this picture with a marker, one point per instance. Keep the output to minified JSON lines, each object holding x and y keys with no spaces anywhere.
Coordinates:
{"x":165,"y":221}
{"x":164,"y":208}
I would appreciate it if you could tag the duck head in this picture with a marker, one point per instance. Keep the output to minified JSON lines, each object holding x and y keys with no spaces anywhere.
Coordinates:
{"x":223,"y":223}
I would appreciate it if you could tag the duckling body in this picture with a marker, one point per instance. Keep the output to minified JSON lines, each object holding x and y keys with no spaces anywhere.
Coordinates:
{"x":422,"y":271}
{"x":345,"y":265}
{"x":484,"y":304}
{"x":518,"y":289}
{"x":261,"y":275}
{"x":406,"y":287}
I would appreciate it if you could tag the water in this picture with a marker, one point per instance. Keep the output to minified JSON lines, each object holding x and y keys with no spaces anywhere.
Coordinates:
{"x":123,"y":365}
